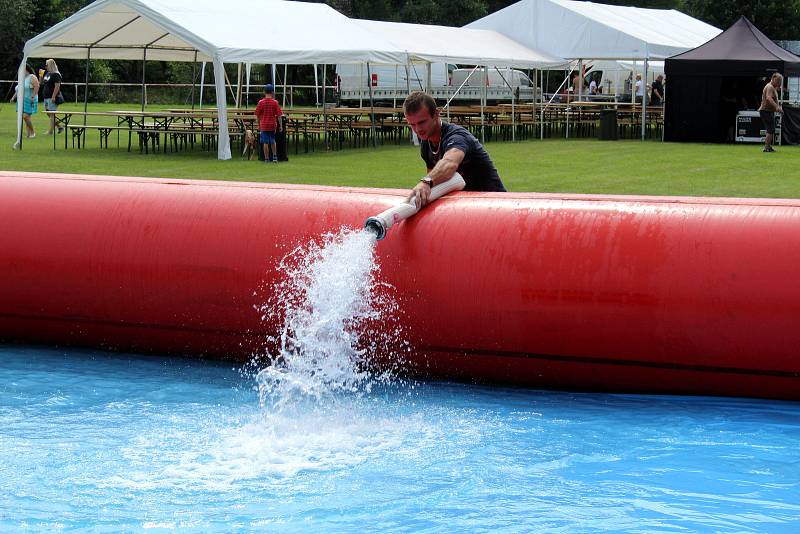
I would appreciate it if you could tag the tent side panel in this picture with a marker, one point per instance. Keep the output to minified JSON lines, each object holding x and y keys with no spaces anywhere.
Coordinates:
{"x":692,"y":108}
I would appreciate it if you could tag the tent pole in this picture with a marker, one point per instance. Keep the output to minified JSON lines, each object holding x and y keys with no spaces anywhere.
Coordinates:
{"x":371,"y":109}
{"x":324,"y":110}
{"x":428,"y":78}
{"x":513,"y":115}
{"x":21,"y":73}
{"x":449,"y":85}
{"x":223,"y":144}
{"x":285,"y":77}
{"x":238,"y":99}
{"x":194,"y":77}
{"x":248,"y":67}
{"x":396,"y":84}
{"x":541,"y":111}
{"x":412,"y":135}
{"x":144,"y":71}
{"x":316,"y":84}
{"x":644,"y":95}
{"x":483,"y":102}
{"x":202,"y":82}
{"x":86,"y":85}
{"x":664,"y":110}
{"x":360,"y":89}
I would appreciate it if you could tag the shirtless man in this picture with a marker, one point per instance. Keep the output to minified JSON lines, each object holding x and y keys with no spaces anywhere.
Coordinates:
{"x":770,"y":106}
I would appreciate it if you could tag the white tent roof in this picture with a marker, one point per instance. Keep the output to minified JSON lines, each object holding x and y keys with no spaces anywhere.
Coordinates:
{"x":248,"y":31}
{"x":459,"y":45}
{"x":575,"y":30}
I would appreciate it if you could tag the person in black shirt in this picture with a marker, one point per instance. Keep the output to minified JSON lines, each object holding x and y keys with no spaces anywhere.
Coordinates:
{"x":657,"y":91}
{"x":447,"y":148}
{"x":52,"y":92}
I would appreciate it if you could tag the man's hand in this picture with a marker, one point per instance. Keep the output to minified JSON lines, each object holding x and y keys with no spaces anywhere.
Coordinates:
{"x":420,"y":194}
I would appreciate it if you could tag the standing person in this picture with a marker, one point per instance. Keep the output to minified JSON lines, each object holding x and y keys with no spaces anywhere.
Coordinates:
{"x":268,"y":110}
{"x":52,"y":92}
{"x":770,"y":106}
{"x":447,"y":148}
{"x":639,"y":88}
{"x":657,"y":91}
{"x":30,"y":100}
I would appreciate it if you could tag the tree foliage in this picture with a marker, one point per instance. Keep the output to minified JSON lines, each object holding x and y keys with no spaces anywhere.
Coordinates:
{"x":778,"y":19}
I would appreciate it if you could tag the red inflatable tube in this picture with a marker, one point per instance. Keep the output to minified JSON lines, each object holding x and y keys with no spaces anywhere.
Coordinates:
{"x":650,"y":294}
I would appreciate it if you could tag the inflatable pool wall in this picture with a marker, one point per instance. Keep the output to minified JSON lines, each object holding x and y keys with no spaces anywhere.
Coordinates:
{"x":611,"y":293}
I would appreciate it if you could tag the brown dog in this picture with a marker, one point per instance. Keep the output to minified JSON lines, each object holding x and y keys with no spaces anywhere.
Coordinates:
{"x":250,"y":145}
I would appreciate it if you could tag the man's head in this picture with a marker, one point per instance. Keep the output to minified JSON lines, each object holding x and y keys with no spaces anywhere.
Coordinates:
{"x":776,"y":80}
{"x":422,"y":115}
{"x":660,"y":77}
{"x":269,"y":90}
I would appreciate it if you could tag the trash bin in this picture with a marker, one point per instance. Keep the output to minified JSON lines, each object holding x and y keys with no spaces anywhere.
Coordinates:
{"x":608,"y":125}
{"x":280,"y":140}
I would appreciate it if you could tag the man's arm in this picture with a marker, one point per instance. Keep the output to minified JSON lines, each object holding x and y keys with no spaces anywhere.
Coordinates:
{"x":772,"y":97}
{"x":441,"y":172}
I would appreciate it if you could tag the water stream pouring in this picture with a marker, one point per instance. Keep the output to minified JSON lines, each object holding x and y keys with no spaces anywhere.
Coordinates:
{"x":380,"y":224}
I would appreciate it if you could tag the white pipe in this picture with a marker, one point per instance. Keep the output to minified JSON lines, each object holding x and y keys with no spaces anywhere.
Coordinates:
{"x":381,"y":223}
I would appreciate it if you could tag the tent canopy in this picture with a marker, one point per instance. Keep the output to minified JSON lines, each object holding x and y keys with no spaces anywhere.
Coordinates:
{"x":709,"y":85}
{"x":459,"y":45}
{"x":231,"y":31}
{"x":741,"y":50}
{"x":575,"y":30}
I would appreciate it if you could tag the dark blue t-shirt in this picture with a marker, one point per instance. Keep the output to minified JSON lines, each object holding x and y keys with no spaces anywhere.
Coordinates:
{"x":477,"y":168}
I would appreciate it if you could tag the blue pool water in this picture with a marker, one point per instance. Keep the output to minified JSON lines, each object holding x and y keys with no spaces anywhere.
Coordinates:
{"x":92,"y":441}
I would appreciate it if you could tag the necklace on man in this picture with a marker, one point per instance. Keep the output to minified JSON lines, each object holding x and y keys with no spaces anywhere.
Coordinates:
{"x":438,"y":145}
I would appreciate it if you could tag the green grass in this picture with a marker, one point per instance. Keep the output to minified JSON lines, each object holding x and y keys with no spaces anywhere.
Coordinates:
{"x":552,"y":165}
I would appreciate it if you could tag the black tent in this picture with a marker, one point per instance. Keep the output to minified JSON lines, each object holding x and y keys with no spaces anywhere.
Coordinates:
{"x":708,"y":85}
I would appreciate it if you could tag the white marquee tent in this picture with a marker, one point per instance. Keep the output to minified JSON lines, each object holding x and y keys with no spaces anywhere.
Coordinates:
{"x":586,"y":30}
{"x":232,"y":31}
{"x":432,"y":43}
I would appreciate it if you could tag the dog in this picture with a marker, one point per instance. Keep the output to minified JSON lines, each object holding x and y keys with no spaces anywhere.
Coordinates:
{"x":250,"y":149}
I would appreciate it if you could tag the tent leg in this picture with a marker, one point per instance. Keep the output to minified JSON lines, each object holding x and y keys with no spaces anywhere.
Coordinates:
{"x":194,"y":77}
{"x":223,"y":146}
{"x":86,"y":85}
{"x":20,"y":99}
{"x":144,"y":76}
{"x":371,"y":108}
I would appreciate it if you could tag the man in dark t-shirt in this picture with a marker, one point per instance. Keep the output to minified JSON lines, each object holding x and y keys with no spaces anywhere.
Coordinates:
{"x":447,"y":148}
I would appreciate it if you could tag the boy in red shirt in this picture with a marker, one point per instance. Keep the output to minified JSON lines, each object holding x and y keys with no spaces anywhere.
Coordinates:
{"x":268,"y":110}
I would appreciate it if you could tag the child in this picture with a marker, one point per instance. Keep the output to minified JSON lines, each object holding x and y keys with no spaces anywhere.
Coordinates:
{"x":268,"y":111}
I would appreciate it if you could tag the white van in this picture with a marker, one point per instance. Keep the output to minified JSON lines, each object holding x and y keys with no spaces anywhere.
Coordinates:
{"x":390,"y":84}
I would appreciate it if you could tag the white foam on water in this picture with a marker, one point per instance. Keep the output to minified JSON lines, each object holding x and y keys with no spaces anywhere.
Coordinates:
{"x":330,"y":303}
{"x":317,"y":406}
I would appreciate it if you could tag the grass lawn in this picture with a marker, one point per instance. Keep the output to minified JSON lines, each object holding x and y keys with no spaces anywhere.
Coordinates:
{"x":551,"y":165}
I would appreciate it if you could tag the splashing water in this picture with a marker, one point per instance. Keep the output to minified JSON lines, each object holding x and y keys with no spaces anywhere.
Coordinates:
{"x":329,"y":302}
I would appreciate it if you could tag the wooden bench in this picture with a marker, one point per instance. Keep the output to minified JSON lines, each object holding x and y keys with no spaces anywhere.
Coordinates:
{"x":79,"y":133}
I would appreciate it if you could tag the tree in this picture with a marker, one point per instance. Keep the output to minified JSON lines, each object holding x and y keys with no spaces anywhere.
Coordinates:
{"x":778,"y":19}
{"x":15,"y":28}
